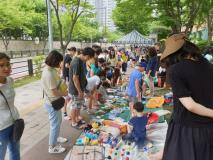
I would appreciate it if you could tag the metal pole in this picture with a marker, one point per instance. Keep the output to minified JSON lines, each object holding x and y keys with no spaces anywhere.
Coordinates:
{"x":105,"y":21}
{"x":91,"y":40}
{"x":50,"y":37}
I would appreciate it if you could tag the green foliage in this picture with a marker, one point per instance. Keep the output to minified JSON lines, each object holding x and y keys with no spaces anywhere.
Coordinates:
{"x":38,"y":60}
{"x":23,"y":17}
{"x":133,"y":14}
{"x":161,"y":30}
{"x":112,"y":36}
{"x":25,"y":80}
{"x":202,"y":43}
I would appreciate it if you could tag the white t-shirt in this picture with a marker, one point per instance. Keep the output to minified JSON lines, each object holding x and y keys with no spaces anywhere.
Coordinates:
{"x":92,"y":82}
{"x":50,"y":80}
{"x":5,"y":114}
{"x":209,"y":57}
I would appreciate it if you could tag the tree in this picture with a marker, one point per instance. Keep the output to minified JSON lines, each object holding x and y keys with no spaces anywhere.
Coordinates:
{"x":22,"y":17}
{"x":132,"y":14}
{"x":180,"y":15}
{"x":10,"y":22}
{"x":205,"y":16}
{"x":73,"y":9}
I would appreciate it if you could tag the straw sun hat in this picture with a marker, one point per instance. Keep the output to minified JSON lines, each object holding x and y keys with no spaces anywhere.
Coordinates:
{"x":172,"y":44}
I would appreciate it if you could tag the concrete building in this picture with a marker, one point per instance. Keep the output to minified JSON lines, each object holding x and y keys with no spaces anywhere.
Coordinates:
{"x":103,"y":10}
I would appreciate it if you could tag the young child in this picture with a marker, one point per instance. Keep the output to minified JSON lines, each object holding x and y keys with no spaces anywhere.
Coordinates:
{"x":137,"y":125}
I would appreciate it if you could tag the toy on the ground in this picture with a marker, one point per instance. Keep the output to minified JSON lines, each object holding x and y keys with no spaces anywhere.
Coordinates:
{"x":168,"y":98}
{"x":153,"y":118}
{"x":155,"y":102}
{"x":122,"y":127}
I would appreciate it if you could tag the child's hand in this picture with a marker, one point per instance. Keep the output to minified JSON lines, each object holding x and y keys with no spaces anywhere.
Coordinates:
{"x":149,"y":114}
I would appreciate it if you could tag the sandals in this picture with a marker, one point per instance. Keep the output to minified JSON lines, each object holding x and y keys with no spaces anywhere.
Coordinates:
{"x":81,"y":122}
{"x":78,"y":125}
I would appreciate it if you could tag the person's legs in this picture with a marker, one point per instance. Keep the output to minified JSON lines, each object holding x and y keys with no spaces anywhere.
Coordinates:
{"x":132,"y":101}
{"x":14,"y":149}
{"x":66,"y":115}
{"x":5,"y":135}
{"x":151,"y":85}
{"x":55,"y":123}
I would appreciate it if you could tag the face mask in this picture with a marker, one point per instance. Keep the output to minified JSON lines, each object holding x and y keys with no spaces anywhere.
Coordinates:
{"x":112,"y":53}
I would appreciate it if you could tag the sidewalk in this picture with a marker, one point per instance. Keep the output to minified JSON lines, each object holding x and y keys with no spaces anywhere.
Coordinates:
{"x":34,"y":142}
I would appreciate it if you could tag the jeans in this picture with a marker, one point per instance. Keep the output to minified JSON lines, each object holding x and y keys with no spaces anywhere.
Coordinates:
{"x":55,"y":118}
{"x":6,"y":141}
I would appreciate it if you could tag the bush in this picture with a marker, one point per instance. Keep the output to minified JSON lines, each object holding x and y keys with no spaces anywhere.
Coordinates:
{"x":38,"y":61}
{"x":202,"y":44}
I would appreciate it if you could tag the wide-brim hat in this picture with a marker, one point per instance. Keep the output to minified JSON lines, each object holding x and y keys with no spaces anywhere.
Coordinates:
{"x":173,"y":44}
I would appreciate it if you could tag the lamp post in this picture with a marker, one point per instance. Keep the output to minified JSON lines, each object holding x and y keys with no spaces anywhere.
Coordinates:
{"x":50,"y":37}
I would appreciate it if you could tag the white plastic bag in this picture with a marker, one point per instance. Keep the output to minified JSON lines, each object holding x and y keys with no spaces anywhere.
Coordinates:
{"x":156,"y":133}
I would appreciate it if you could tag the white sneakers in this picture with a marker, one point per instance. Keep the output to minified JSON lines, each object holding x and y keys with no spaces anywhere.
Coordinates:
{"x":61,"y":140}
{"x":58,"y":148}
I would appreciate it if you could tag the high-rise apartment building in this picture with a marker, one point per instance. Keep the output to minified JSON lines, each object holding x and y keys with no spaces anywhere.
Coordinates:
{"x":103,"y":10}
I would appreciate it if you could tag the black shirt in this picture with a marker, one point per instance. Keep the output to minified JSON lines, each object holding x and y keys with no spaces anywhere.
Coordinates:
{"x":192,"y":79}
{"x":77,"y":68}
{"x":67,"y":60}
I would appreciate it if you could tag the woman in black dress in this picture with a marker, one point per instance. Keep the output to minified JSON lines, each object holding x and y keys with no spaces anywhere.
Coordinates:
{"x":190,"y":130}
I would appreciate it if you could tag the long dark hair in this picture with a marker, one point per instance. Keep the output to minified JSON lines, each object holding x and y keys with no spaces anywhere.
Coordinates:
{"x":189,"y":49}
{"x":112,"y":56}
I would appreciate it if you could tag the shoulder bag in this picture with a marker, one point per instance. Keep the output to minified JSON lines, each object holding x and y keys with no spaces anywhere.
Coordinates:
{"x":18,"y":126}
{"x":58,"y":103}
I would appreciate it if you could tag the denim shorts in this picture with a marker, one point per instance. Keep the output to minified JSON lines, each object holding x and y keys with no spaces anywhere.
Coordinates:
{"x":76,"y":102}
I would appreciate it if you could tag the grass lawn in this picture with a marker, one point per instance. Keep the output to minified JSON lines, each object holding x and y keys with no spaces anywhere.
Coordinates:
{"x":25,"y":80}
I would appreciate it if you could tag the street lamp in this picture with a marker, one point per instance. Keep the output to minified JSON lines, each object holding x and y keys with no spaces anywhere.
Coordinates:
{"x":50,"y":37}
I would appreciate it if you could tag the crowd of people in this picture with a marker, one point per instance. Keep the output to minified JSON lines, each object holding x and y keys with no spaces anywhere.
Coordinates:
{"x":82,"y":76}
{"x":87,"y":74}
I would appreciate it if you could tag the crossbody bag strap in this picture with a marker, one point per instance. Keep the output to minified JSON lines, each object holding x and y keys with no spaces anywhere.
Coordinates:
{"x":7,"y":103}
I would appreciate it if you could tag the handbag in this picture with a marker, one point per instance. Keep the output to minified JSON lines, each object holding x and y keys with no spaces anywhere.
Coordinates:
{"x":58,"y":103}
{"x":18,"y":125}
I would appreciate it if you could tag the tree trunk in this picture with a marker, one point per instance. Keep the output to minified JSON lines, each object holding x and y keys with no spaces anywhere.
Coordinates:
{"x":6,"y":41}
{"x":209,"y":25}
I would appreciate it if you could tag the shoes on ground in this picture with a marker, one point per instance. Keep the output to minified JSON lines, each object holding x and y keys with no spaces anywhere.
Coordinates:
{"x":56,"y":149}
{"x":61,"y":140}
{"x":67,"y":118}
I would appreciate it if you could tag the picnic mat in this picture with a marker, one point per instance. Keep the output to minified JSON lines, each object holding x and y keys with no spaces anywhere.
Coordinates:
{"x":85,"y":153}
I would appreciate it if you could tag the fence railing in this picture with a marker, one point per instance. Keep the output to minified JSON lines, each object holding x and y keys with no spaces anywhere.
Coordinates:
{"x":26,"y":53}
{"x":23,"y":68}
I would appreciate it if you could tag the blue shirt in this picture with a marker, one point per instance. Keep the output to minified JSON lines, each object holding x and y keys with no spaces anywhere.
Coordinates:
{"x":139,"y":128}
{"x":131,"y":89}
{"x":152,"y":65}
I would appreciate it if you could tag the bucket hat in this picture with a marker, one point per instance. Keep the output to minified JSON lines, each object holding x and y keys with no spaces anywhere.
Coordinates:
{"x":173,"y":44}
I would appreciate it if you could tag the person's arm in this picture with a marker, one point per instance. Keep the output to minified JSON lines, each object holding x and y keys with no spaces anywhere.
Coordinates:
{"x":129,"y":128}
{"x":77,"y":85}
{"x":196,"y":108}
{"x":59,"y":93}
{"x":67,"y":65}
{"x":138,"y":91}
{"x":92,"y":73}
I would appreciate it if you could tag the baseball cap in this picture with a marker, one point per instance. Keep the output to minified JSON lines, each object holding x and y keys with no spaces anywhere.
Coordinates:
{"x":141,"y":64}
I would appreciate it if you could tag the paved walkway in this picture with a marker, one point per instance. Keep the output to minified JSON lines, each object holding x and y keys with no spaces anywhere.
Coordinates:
{"x":34,"y":142}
